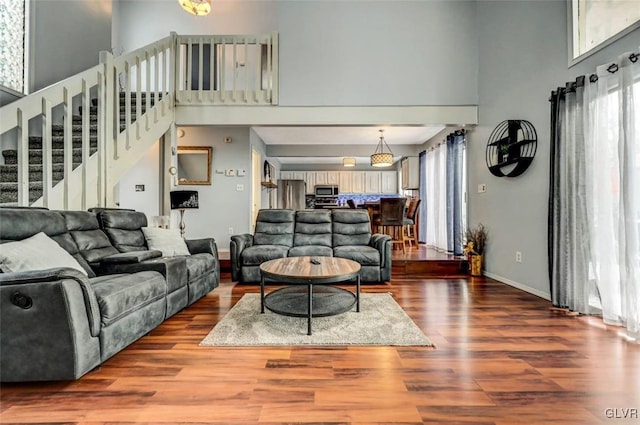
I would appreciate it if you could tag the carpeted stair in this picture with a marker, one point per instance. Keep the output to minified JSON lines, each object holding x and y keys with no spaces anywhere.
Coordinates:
{"x":9,"y":171}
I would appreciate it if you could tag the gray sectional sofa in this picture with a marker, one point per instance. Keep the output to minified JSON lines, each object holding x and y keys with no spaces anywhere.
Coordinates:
{"x":343,"y":233}
{"x":60,"y":323}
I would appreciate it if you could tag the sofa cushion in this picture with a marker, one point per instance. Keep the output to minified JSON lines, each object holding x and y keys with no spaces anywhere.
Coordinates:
{"x":365,"y":255}
{"x":258,"y":254}
{"x":169,"y":242}
{"x":351,"y":227}
{"x":123,"y":227}
{"x":120,"y":295}
{"x":20,"y":223}
{"x":274,"y":227}
{"x":199,"y":264}
{"x":93,"y":244}
{"x":38,"y":252}
{"x":310,"y":250}
{"x":312,"y":228}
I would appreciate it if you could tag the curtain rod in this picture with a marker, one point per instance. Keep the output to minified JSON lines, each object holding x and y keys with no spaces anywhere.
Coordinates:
{"x":571,"y":86}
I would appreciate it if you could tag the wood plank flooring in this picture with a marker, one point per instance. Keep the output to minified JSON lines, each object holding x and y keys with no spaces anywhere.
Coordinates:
{"x":502,"y":357}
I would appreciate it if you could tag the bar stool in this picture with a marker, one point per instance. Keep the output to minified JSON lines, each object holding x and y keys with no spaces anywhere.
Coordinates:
{"x":411,"y":220}
{"x":392,"y":219}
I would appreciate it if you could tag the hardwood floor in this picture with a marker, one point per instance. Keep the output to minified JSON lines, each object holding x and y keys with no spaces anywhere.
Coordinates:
{"x":502,"y":357}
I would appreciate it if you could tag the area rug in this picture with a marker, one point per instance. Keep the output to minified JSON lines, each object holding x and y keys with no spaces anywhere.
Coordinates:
{"x":381,"y":321}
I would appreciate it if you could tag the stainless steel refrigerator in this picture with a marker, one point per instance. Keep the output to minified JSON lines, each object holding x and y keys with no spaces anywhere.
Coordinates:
{"x":291,"y":194}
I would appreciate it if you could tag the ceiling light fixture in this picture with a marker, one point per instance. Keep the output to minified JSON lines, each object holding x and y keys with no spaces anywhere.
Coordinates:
{"x":380,"y":158}
{"x":196,"y":7}
{"x":348,"y":162}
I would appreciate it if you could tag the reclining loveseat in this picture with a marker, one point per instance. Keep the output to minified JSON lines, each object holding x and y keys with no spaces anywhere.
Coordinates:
{"x":343,"y":233}
{"x":59,"y":323}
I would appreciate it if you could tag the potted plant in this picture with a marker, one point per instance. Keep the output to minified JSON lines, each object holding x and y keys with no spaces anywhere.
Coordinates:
{"x":475,"y":241}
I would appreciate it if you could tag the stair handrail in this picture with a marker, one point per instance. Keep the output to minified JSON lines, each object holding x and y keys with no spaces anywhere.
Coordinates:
{"x":17,"y":115}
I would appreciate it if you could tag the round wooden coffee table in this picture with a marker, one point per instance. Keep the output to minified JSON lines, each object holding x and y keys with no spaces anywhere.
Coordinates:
{"x":302,"y":301}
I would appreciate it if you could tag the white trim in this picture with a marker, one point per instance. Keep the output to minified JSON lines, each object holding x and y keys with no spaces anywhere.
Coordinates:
{"x":542,"y":294}
{"x":326,"y":115}
{"x":224,"y":254}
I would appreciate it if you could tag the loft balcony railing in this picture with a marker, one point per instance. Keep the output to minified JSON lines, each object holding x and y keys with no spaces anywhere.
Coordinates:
{"x":132,"y":99}
{"x":227,"y":70}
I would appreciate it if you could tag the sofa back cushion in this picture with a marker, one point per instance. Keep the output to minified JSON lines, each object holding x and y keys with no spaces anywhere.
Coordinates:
{"x":124,"y":228}
{"x":93,"y":244}
{"x":21,"y":223}
{"x":351,"y":227}
{"x":274,"y":227}
{"x":312,"y":228}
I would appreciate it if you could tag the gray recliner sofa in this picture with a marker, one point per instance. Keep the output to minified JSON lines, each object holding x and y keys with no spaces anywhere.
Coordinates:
{"x":58,"y":324}
{"x":286,"y":233}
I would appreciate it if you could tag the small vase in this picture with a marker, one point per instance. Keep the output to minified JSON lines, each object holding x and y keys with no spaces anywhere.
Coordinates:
{"x":475,"y":265}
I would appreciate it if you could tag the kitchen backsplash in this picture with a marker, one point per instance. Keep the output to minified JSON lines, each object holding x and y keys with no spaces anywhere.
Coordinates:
{"x":361,"y":198}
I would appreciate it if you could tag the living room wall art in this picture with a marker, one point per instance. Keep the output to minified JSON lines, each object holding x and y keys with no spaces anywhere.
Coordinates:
{"x":511,"y":148}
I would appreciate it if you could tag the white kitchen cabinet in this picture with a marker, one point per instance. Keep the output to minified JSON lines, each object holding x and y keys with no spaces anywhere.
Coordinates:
{"x":321,"y":177}
{"x":310,"y":180}
{"x":299,"y":175}
{"x":372,"y":181}
{"x":389,"y":182}
{"x":333,"y":177}
{"x":410,"y":173}
{"x":357,"y":181}
{"x":345,"y":182}
{"x":286,"y":175}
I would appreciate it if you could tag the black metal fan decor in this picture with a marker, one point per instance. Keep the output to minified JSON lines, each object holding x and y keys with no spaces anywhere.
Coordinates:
{"x":511,"y":148}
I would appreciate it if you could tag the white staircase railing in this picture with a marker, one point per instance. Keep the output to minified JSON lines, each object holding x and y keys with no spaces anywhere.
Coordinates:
{"x":134,"y":97}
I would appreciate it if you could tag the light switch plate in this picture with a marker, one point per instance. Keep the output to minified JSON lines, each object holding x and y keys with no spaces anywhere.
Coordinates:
{"x":242,"y":173}
{"x":230,"y":172}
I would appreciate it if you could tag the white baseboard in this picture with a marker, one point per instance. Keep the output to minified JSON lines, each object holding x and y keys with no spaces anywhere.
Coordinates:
{"x":542,"y":294}
{"x":224,"y":254}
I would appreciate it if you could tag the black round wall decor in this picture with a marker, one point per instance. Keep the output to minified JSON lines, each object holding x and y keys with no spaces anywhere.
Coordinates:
{"x":511,"y":148}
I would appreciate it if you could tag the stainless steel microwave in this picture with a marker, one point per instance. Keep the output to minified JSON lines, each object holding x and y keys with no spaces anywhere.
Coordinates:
{"x":326,"y":190}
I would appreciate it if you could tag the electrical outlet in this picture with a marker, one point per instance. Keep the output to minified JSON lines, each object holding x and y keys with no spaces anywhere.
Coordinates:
{"x":239,"y":187}
{"x":231,"y":230}
{"x":482,"y":188}
{"x":518,"y":257}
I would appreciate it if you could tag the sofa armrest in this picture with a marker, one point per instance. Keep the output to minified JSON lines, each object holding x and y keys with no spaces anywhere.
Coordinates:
{"x":131,"y":257}
{"x":205,"y":246}
{"x":238,"y":244}
{"x":49,"y":325}
{"x":379,"y":242}
{"x":173,"y":269}
{"x":26,"y":285}
{"x":200,"y":246}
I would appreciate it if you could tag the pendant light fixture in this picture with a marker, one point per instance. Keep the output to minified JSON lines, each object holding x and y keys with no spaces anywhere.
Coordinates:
{"x":380,"y":158}
{"x":348,"y":162}
{"x":196,"y":7}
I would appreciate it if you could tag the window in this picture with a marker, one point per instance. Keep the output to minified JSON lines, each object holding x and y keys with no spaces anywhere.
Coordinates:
{"x":12,"y":48}
{"x":597,"y":23}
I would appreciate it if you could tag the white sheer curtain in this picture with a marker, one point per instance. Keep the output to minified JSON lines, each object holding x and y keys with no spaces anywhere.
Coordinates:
{"x":595,"y":195}
{"x":613,"y":130}
{"x":437,"y":197}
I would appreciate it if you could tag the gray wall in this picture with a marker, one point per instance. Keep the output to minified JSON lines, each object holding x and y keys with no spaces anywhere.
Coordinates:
{"x":66,"y":38}
{"x":142,"y":22}
{"x":338,"y":52}
{"x":378,"y":52}
{"x":522,"y":57}
{"x":221,"y":205}
{"x":145,"y":172}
